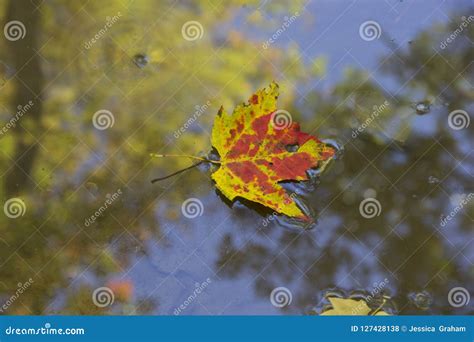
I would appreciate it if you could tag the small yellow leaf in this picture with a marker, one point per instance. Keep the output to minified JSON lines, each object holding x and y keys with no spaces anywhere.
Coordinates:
{"x":350,"y":307}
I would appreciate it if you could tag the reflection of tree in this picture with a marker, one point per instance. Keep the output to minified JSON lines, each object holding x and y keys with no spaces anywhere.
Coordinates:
{"x":406,"y":243}
{"x":28,"y":86}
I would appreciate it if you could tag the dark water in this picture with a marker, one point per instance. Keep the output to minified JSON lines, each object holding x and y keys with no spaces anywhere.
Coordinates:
{"x":111,"y":83}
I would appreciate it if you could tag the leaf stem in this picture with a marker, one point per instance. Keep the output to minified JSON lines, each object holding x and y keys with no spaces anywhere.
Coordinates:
{"x":177,"y":172}
{"x":201,"y":160}
{"x":184,"y":156}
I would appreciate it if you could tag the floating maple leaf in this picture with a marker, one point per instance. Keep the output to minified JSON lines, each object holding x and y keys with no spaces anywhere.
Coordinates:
{"x":255,"y":155}
{"x":257,"y":152}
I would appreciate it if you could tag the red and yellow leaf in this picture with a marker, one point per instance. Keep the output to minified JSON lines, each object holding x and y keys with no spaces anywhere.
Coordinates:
{"x":254,"y":153}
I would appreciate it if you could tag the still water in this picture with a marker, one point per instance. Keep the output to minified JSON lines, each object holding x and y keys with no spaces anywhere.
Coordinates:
{"x":89,"y":90}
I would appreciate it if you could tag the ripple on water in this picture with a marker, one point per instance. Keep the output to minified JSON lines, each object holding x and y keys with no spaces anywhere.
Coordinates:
{"x":299,"y":189}
{"x":422,"y":300}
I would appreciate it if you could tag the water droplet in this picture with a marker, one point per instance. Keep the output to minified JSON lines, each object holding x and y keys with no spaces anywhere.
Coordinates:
{"x":140,"y":60}
{"x":422,"y":108}
{"x":422,"y":300}
{"x":433,"y":180}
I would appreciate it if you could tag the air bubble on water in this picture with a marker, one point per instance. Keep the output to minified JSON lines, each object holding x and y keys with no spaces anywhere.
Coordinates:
{"x":433,"y":180}
{"x":422,"y":108}
{"x":422,"y":300}
{"x":140,"y":60}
